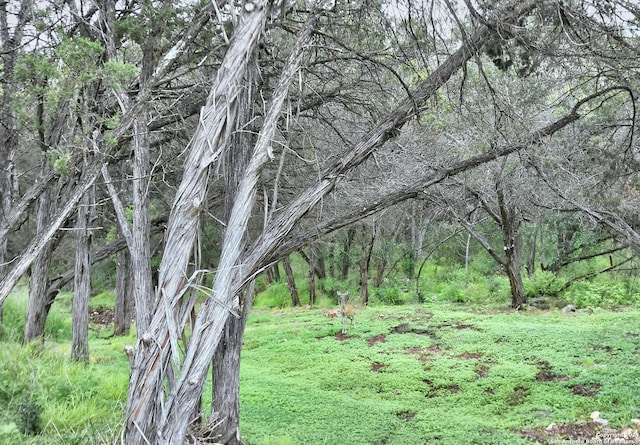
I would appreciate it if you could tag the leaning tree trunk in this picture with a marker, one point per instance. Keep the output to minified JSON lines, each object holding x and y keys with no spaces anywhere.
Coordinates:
{"x":82,"y":282}
{"x":149,"y":417}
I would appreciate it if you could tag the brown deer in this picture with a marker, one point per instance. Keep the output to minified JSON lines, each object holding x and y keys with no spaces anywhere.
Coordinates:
{"x":347,"y":311}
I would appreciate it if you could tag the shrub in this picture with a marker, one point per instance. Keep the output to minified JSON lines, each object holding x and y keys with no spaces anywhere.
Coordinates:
{"x":542,"y":284}
{"x":601,"y":292}
{"x":28,"y":413}
{"x":275,"y":295}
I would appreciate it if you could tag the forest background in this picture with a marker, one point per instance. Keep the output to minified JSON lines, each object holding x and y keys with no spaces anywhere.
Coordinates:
{"x":179,"y":153}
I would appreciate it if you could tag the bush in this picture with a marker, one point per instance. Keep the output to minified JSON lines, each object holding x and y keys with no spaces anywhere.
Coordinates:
{"x":390,"y":294}
{"x":542,"y":284}
{"x":28,"y":413}
{"x":600,"y":292}
{"x":275,"y":295}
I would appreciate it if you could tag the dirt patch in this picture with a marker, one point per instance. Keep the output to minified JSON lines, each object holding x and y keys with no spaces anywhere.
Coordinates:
{"x":590,"y":432}
{"x":377,"y":366}
{"x":423,"y":355}
{"x":518,"y":395}
{"x":400,"y":329}
{"x":470,"y":355}
{"x":342,"y":337}
{"x":406,"y":415}
{"x":433,"y":390}
{"x":457,"y":325}
{"x":380,"y":338}
{"x":589,"y":390}
{"x":427,"y":332}
{"x":482,"y":371}
{"x":101,"y":315}
{"x":546,"y":374}
{"x":404,"y":328}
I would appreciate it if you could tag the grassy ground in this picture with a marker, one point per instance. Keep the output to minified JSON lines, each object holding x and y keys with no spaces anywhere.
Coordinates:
{"x":435,"y":373}
{"x":429,"y":373}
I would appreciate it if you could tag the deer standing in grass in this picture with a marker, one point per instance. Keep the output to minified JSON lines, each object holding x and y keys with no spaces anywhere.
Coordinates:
{"x":346,"y":310}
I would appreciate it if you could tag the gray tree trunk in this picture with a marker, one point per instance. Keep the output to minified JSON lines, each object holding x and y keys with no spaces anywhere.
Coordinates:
{"x":291,"y":281}
{"x":366,"y":249}
{"x":225,"y":400}
{"x":82,"y":281}
{"x":39,"y":304}
{"x":123,"y":307}
{"x":148,"y":418}
{"x":510,"y":221}
{"x":312,"y":275}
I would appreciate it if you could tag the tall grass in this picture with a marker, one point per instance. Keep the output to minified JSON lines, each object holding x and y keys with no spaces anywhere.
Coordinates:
{"x":45,"y":398}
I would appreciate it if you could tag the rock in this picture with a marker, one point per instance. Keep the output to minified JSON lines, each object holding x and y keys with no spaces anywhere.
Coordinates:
{"x":569,"y":308}
{"x":603,"y":422}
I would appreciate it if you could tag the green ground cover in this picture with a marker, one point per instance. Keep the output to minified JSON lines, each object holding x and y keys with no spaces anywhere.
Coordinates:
{"x":435,"y":372}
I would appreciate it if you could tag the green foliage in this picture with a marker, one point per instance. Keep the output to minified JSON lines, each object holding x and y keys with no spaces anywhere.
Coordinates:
{"x":80,"y":56}
{"x":119,"y":73}
{"x":43,"y":392}
{"x":60,"y":159}
{"x":28,"y":412}
{"x":602,"y":291}
{"x":542,"y":284}
{"x":392,"y":294}
{"x":276,"y":295}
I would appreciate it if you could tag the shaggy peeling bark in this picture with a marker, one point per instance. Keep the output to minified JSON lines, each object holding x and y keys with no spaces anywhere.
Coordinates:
{"x":149,"y":417}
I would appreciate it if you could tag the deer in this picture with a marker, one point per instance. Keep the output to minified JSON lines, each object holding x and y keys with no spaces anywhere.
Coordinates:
{"x":347,"y":311}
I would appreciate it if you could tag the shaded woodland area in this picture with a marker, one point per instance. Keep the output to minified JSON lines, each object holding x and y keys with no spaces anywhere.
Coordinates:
{"x":179,"y":152}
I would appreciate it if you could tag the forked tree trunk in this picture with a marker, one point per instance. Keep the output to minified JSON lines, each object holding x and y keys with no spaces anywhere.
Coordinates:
{"x":510,"y":221}
{"x":82,"y":282}
{"x":148,"y":417}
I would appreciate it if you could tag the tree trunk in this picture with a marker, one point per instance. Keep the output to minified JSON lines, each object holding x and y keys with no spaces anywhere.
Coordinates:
{"x":533,"y":244}
{"x":291,"y":282}
{"x":311,"y":273}
{"x":123,"y":307}
{"x":510,"y":221}
{"x":365,"y":259}
{"x":39,"y":302}
{"x":82,"y":282}
{"x":345,"y":254}
{"x":225,"y":404}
